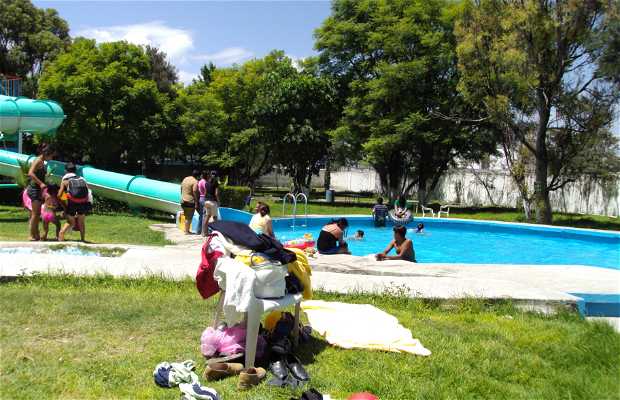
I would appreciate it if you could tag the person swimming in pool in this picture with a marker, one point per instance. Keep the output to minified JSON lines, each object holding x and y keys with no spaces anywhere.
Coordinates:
{"x":403,"y":246}
{"x":359,"y":235}
{"x":420,"y":228}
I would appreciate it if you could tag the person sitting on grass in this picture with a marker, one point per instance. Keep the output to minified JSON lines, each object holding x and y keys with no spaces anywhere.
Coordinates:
{"x":261,"y":221}
{"x":51,"y":204}
{"x":379,"y":213}
{"x":403,"y":246}
{"x":331,"y":238}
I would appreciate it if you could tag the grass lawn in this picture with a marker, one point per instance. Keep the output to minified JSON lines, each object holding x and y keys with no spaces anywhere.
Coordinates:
{"x":119,"y":229}
{"x":81,"y":338}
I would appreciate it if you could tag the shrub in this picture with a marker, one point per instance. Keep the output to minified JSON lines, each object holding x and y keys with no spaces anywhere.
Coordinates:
{"x":234,"y":196}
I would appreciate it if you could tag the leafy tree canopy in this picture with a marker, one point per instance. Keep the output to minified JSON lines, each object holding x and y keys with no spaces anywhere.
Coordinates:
{"x":251,"y":117}
{"x":399,"y":62}
{"x":115,"y":112}
{"x":29,"y":37}
{"x":537,"y":71}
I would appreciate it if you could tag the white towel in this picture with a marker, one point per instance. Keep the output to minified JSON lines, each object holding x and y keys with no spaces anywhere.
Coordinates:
{"x":360,"y":326}
{"x":237,"y":280}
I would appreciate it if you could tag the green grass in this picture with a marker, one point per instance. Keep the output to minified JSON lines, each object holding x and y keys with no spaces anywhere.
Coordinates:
{"x":81,"y":338}
{"x":119,"y":229}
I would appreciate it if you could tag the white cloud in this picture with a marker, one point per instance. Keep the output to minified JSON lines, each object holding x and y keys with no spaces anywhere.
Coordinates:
{"x":228,"y":56}
{"x":186,"y":77}
{"x":174,"y":42}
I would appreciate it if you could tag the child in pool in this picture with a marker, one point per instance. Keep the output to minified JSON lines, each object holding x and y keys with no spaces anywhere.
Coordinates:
{"x":359,"y":235}
{"x":420,"y":228}
{"x":51,"y":204}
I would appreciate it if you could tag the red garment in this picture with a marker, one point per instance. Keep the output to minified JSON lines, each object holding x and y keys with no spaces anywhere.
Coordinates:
{"x":206,"y":284}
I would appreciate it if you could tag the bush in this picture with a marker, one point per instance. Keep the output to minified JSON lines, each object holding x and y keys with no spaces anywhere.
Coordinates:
{"x":234,"y":196}
{"x":11,"y":196}
{"x":102,"y":205}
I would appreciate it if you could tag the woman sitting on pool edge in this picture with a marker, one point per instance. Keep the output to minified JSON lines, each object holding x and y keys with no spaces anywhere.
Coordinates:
{"x":403,"y":246}
{"x":261,"y":221}
{"x":331,"y":238}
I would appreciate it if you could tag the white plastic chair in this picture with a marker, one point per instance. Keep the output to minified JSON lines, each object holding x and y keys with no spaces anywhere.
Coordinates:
{"x":253,"y":317}
{"x":444,"y":210}
{"x":427,"y":209}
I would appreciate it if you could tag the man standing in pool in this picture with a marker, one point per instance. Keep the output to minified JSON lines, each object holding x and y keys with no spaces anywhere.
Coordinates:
{"x":403,"y":246}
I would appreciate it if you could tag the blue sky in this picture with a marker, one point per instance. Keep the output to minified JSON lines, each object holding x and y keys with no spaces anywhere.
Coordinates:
{"x":193,"y":33}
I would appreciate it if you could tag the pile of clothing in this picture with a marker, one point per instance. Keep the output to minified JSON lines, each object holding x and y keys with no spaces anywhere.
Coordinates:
{"x":182,"y":375}
{"x":249,"y":266}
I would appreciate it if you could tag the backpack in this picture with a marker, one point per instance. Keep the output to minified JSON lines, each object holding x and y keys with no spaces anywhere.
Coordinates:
{"x":77,"y":189}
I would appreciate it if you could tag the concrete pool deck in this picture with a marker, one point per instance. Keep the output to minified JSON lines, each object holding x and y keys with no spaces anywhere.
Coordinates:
{"x":539,"y":285}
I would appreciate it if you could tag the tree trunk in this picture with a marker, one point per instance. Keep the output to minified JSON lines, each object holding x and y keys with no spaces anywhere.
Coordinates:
{"x":327,"y":182}
{"x":541,"y":191}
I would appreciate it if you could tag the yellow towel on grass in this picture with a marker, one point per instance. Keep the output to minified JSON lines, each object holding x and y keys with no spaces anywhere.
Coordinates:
{"x":360,"y":326}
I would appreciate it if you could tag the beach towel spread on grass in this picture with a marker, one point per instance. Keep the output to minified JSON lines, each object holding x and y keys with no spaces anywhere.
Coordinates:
{"x":360,"y":326}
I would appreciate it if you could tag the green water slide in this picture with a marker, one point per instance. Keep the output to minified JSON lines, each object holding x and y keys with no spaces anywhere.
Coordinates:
{"x":19,"y":115}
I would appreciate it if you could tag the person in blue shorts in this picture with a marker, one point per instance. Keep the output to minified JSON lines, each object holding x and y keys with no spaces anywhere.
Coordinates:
{"x":379,"y":213}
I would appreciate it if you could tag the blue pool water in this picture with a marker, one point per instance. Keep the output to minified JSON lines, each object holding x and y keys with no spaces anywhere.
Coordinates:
{"x":477,"y":242}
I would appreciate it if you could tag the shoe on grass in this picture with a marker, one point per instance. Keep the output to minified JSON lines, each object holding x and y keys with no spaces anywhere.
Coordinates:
{"x":251,"y":377}
{"x":221,"y":370}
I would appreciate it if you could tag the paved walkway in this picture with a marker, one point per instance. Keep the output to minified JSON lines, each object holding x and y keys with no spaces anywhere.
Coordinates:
{"x":537,"y":287}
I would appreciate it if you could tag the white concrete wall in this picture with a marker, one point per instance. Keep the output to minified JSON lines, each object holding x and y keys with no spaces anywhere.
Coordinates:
{"x":461,"y":186}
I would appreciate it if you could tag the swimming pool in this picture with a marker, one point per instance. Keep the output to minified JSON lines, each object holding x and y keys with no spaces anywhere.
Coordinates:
{"x":479,"y":242}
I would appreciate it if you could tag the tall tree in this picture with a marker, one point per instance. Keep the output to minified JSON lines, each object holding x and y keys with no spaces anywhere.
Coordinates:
{"x":397,"y":60}
{"x":162,"y":70}
{"x":532,"y":69}
{"x":296,"y":112}
{"x":115,"y":112}
{"x":29,"y":37}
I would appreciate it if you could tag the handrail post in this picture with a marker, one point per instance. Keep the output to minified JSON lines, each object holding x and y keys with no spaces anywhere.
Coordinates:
{"x":305,"y":198}
{"x":292,"y":196}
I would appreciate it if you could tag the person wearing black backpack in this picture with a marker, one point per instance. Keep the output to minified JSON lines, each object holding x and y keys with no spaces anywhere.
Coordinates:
{"x":78,"y":204}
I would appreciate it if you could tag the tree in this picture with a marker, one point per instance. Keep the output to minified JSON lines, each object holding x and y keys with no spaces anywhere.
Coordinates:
{"x":162,"y":71}
{"x":29,"y":37}
{"x":115,"y":112}
{"x":532,"y":70}
{"x":396,"y":61}
{"x":250,"y":117}
{"x":206,"y":73}
{"x":296,"y":111}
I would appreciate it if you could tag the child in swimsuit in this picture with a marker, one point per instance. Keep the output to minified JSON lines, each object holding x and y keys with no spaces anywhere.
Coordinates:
{"x":51,"y":204}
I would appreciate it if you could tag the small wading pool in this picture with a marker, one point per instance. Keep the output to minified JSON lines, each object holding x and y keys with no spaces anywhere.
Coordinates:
{"x":477,"y":242}
{"x":68,"y":250}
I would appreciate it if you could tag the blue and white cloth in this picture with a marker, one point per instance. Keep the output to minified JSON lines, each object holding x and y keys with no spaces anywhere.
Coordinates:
{"x":168,"y":375}
{"x":195,"y":391}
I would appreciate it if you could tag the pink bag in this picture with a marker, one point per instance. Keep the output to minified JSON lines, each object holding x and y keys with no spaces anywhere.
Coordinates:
{"x":227,"y":341}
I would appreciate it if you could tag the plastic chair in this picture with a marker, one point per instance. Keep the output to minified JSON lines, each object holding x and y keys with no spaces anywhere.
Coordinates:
{"x":443,"y":210}
{"x":427,"y":209}
{"x":253,"y":317}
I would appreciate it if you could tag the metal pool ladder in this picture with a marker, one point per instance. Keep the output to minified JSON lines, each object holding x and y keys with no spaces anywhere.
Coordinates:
{"x":295,"y":198}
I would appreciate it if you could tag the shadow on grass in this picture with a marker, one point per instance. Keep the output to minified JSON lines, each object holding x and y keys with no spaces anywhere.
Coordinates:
{"x":307,"y":351}
{"x":16,"y":219}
